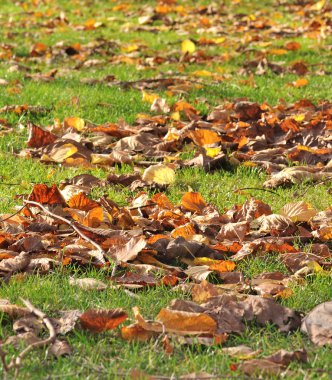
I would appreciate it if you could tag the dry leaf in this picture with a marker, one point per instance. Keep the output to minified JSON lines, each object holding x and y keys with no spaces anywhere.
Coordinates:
{"x":87,"y":283}
{"x":187,"y":46}
{"x":101,"y":320}
{"x":160,"y":174}
{"x":183,"y":323}
{"x":318,"y":324}
{"x":298,"y":211}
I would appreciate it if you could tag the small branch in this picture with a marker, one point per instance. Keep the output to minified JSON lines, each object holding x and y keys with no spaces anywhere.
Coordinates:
{"x":15,"y":213}
{"x":64,"y":220}
{"x":328,"y":179}
{"x":17,"y":361}
{"x":256,"y":188}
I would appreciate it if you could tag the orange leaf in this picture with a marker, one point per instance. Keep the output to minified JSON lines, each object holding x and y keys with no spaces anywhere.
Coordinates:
{"x":223,"y":266}
{"x":136,"y":332}
{"x":183,"y":322}
{"x":186,"y":231}
{"x":46,"y":195}
{"x":193,"y":202}
{"x":101,"y":320}
{"x":94,"y":217}
{"x":82,"y":202}
{"x":302,"y":82}
{"x":203,"y":137}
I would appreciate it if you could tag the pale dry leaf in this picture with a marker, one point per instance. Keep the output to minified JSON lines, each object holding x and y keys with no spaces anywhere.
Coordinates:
{"x":88,"y":283}
{"x":16,"y":264}
{"x":199,"y":272}
{"x":130,"y":250}
{"x":242,"y":352}
{"x":298,"y":211}
{"x":233,"y":231}
{"x":14,"y":311}
{"x":318,"y":324}
{"x":160,"y":174}
{"x":60,"y":348}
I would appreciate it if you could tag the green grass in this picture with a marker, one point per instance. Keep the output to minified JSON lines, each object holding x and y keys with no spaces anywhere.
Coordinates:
{"x":106,"y":355}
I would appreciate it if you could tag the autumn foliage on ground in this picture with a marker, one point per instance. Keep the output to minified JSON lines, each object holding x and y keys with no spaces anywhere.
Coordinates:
{"x":192,"y":247}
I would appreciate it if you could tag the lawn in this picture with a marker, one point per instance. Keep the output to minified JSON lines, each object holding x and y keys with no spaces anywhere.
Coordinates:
{"x":109,"y":41}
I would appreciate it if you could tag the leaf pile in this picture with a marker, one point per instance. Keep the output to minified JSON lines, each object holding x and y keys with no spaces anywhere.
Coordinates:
{"x":256,"y":135}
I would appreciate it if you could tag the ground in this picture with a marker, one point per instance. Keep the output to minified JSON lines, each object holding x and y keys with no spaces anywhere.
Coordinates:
{"x":24,"y":25}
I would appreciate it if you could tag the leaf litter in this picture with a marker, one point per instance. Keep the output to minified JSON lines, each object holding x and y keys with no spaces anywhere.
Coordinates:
{"x":153,"y":242}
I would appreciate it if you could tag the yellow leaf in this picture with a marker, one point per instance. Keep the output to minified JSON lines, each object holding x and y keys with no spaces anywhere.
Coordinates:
{"x":315,"y":266}
{"x":204,"y":261}
{"x":278,"y":51}
{"x":161,"y":174}
{"x":149,"y":98}
{"x":175,"y":116}
{"x":318,"y":6}
{"x":213,"y":152}
{"x":299,"y":117}
{"x":188,"y":47}
{"x":63,"y":152}
{"x":219,"y":40}
{"x":129,"y":48}
{"x":202,"y":73}
{"x":74,"y":122}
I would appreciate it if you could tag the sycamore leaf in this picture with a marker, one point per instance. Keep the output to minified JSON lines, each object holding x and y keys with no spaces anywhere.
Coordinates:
{"x":298,"y":211}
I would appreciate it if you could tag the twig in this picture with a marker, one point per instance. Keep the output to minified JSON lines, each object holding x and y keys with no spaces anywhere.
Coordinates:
{"x":15,"y":213}
{"x":328,"y":179}
{"x":17,"y":361}
{"x":257,"y":188}
{"x":69,"y":223}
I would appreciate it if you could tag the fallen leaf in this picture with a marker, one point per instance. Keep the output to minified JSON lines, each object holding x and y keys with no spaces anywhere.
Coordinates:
{"x":101,"y":320}
{"x":318,"y":324}
{"x":160,"y":174}
{"x":181,"y":322}
{"x":87,"y":283}
{"x":187,"y":46}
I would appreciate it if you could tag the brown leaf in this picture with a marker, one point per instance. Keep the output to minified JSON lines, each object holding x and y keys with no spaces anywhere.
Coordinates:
{"x":318,"y":324}
{"x":233,"y":231}
{"x":130,"y":250}
{"x":202,"y":292}
{"x":284,"y":357}
{"x":101,"y":320}
{"x":38,"y":137}
{"x":247,"y":110}
{"x":261,"y":367}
